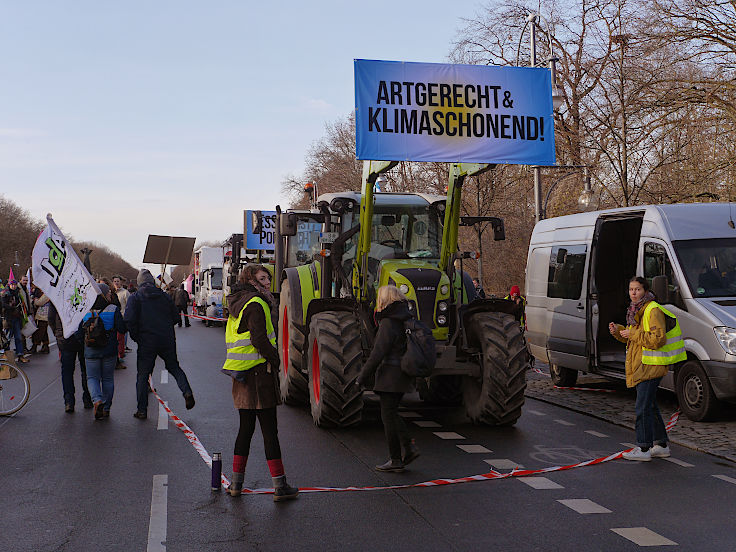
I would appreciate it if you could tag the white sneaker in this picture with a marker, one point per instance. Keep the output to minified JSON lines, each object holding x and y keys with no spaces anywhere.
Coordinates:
{"x":658,"y":451}
{"x":637,"y":454}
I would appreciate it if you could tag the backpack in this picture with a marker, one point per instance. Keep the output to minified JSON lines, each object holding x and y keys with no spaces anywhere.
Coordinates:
{"x":420,"y":357}
{"x":95,"y":334}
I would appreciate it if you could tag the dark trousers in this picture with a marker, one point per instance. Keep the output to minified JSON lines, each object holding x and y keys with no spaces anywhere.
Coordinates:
{"x":186,"y":318}
{"x":269,"y":429}
{"x":68,"y":363}
{"x":649,"y":424}
{"x":41,"y":335}
{"x":16,"y":325}
{"x":393,"y":425}
{"x":146,"y":361}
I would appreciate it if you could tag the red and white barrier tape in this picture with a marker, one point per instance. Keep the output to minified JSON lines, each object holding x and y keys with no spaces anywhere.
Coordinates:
{"x":199,"y":447}
{"x":205,"y":317}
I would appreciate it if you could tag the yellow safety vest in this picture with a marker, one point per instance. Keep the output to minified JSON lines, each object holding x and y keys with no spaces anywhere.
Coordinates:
{"x":673,"y":350}
{"x":241,"y":353}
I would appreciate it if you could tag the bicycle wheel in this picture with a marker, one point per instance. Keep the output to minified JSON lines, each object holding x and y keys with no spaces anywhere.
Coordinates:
{"x":15,"y":388}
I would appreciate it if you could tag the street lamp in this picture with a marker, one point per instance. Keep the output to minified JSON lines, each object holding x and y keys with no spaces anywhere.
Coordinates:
{"x":586,"y":196}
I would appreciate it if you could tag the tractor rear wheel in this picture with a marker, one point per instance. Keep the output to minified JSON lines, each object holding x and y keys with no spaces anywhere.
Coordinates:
{"x":497,"y":397}
{"x":334,"y":363}
{"x":291,"y":343}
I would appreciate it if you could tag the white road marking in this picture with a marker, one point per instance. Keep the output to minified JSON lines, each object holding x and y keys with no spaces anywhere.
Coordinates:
{"x":540,"y":483}
{"x":643,"y":536}
{"x":584,"y":506}
{"x":503,"y":463}
{"x":676,"y":461}
{"x":427,"y":423}
{"x":164,"y":376}
{"x":535,"y":412}
{"x":563,"y":422}
{"x":163,"y":417}
{"x":726,"y":478}
{"x":448,"y":435}
{"x":158,"y":519}
{"x":595,"y":433}
{"x":473,"y":448}
{"x":410,"y":415}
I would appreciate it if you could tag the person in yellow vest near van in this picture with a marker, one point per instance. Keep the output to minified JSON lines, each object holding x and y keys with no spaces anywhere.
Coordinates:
{"x":252,"y":361}
{"x":653,"y":343}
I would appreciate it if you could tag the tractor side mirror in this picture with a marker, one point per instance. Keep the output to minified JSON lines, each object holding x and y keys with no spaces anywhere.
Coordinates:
{"x":499,"y":231}
{"x":660,"y":288}
{"x":561,"y":254}
{"x":287,"y":224}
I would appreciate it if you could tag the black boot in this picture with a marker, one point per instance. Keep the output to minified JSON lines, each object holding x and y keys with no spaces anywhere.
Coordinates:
{"x":282,"y":490}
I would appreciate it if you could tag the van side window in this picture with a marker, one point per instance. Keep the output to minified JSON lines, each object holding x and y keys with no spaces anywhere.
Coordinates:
{"x":566,"y":267}
{"x":657,"y":263}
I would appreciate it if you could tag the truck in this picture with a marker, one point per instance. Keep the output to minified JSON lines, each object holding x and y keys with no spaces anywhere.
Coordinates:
{"x":235,"y":258}
{"x":208,"y":263}
{"x":328,"y":280}
{"x":577,"y":276}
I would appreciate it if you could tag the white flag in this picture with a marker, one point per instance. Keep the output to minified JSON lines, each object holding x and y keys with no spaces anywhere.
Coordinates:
{"x":58,"y":271}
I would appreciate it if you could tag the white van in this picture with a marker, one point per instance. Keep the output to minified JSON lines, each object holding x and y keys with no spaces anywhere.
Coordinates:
{"x":577,"y":279}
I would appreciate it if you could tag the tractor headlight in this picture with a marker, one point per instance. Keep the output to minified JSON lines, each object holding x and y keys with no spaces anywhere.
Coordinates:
{"x":442,"y":306}
{"x":444,"y":289}
{"x":403,"y":288}
{"x":727,"y":338}
{"x":442,"y":320}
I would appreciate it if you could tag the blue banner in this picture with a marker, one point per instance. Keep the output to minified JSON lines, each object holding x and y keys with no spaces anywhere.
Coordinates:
{"x":266,"y":238}
{"x":453,"y":113}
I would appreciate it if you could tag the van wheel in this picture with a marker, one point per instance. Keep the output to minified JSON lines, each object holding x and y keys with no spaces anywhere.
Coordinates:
{"x":497,"y":397}
{"x":694,"y":393}
{"x":291,"y":344}
{"x":441,"y":390}
{"x":563,"y":377}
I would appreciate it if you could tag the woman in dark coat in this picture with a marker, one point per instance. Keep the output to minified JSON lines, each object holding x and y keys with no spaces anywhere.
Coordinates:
{"x":250,"y":333}
{"x":390,"y":383}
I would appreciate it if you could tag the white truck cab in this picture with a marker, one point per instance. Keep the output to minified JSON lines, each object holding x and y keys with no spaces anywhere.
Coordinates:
{"x":577,"y":276}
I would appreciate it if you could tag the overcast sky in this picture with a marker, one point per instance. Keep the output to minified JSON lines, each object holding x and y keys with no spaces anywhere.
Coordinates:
{"x":131,"y":118}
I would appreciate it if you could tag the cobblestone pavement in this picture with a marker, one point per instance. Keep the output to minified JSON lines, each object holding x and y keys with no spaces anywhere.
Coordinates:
{"x":717,"y":438}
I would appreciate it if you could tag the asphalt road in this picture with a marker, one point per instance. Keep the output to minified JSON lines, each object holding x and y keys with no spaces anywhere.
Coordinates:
{"x":69,"y":483}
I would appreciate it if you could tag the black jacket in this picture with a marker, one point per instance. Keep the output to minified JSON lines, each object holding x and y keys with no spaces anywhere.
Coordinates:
{"x":73,"y":343}
{"x":388,"y":348}
{"x":150,"y":317}
{"x":181,"y":299}
{"x":253,"y":320}
{"x":11,"y":303}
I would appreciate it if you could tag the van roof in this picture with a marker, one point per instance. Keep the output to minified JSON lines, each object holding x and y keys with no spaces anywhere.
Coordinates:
{"x":682,"y":221}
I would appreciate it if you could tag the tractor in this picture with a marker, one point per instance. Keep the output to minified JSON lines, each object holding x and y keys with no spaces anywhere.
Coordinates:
{"x":331,"y":259}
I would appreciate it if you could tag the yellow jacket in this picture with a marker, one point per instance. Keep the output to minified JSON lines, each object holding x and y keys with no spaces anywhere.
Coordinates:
{"x":636,"y":371}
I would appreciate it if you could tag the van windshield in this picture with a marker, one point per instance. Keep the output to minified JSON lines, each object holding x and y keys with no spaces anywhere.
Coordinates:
{"x":709,"y":266}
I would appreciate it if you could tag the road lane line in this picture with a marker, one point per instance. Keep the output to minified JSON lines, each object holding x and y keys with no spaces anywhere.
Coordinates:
{"x":584,"y":506}
{"x":595,"y":433}
{"x":676,"y":461}
{"x":164,"y":376}
{"x":541,"y":483}
{"x":535,"y":412}
{"x":448,"y":435}
{"x":643,"y":536}
{"x":726,"y":478}
{"x":163,"y":417}
{"x":473,"y":449}
{"x":503,"y":464}
{"x":426,"y":423}
{"x":157,"y":521}
{"x":565,"y":423}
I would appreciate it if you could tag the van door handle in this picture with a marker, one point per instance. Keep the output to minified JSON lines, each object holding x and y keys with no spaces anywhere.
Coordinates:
{"x":580,"y":306}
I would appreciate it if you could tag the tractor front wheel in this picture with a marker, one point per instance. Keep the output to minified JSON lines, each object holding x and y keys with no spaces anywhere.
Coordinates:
{"x":291,"y":344}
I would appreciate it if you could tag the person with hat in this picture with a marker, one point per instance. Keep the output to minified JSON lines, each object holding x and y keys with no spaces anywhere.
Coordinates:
{"x":150,"y":316}
{"x":12,"y":312}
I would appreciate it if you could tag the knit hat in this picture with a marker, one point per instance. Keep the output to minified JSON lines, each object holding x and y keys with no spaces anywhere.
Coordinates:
{"x":104,"y":289}
{"x":515,"y":291}
{"x":145,"y":277}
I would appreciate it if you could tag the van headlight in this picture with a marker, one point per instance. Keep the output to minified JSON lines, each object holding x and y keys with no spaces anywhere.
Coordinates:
{"x":727,"y":338}
{"x":403,"y":288}
{"x":444,"y":289}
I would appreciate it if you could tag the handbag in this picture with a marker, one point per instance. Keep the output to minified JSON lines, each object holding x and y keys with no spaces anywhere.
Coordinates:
{"x":29,"y":328}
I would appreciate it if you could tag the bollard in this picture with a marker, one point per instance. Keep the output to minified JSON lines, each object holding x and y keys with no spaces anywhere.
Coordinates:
{"x":216,"y":470}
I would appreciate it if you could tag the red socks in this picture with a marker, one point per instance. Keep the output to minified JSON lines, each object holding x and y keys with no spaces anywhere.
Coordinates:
{"x":276,"y":467}
{"x":239,"y":463}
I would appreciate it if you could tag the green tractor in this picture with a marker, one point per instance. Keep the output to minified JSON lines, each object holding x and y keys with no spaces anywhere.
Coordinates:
{"x":332,"y":259}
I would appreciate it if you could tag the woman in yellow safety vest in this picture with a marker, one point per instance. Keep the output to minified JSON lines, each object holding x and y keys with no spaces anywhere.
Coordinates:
{"x":253,"y":362}
{"x":651,"y":348}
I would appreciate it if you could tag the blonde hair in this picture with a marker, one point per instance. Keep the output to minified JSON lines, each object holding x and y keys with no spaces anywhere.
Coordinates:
{"x":388,"y":295}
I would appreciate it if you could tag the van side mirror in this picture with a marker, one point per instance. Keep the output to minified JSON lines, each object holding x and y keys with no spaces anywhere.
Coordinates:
{"x":287,"y":224}
{"x":660,"y":287}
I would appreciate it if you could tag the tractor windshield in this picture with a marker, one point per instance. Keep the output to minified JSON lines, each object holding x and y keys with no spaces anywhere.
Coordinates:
{"x":405,"y":231}
{"x":305,"y":244}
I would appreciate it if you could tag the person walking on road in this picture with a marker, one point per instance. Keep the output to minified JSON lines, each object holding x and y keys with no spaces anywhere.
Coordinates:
{"x":123,"y":295}
{"x":12,"y":311}
{"x":382,"y":371}
{"x":150,"y":317}
{"x":182,"y":301}
{"x":69,"y":350}
{"x":650,"y":350}
{"x":253,"y":362}
{"x":100,"y":355}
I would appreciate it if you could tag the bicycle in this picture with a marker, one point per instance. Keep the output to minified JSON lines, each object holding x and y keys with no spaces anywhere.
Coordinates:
{"x":15,"y":388}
